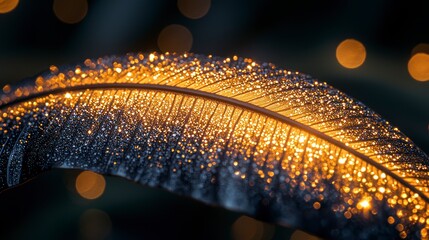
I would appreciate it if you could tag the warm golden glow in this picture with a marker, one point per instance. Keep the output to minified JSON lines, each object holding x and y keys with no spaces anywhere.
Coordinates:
{"x":70,"y":11}
{"x":418,"y":66}
{"x":311,"y":166}
{"x":6,"y":88}
{"x":316,"y":205}
{"x":245,"y":228}
{"x":351,"y":53}
{"x":194,"y":9}
{"x":175,"y":38}
{"x":391,"y":220}
{"x":364,"y":204}
{"x":90,"y":185}
{"x":8,"y":5}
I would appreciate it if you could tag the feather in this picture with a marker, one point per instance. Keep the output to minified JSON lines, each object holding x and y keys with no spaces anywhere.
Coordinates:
{"x":271,"y":143}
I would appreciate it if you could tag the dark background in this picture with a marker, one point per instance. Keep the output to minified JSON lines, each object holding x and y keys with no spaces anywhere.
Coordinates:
{"x":293,"y":34}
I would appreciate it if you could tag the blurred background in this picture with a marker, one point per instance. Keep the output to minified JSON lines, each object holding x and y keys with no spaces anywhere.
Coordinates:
{"x":376,"y":51}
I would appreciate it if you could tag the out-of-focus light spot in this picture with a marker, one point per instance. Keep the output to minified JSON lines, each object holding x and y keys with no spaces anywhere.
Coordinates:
{"x":118,"y":70}
{"x":90,"y":185}
{"x":8,"y":5}
{"x":418,"y":66}
{"x":70,"y":11}
{"x":391,"y":220}
{"x":54,"y":69}
{"x":95,"y":224}
{"x":152,"y":57}
{"x":300,"y":235}
{"x":6,"y":88}
{"x":364,"y":204}
{"x":193,"y":9}
{"x":175,"y":38}
{"x":68,"y":95}
{"x":245,"y":228}
{"x":347,"y":214}
{"x":424,"y":232}
{"x":316,"y":205}
{"x":351,"y":53}
{"x":18,"y":92}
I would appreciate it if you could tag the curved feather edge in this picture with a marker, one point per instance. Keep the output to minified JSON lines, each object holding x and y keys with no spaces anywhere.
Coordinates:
{"x":272,"y":143}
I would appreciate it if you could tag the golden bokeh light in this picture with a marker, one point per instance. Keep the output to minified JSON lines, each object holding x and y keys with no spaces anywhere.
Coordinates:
{"x":8,"y":5}
{"x":70,"y":11}
{"x":418,"y":66}
{"x":90,"y":185}
{"x":6,"y":88}
{"x":300,"y":235}
{"x":351,"y":53}
{"x":175,"y":38}
{"x":364,"y":204}
{"x":246,"y":228}
{"x":194,"y":9}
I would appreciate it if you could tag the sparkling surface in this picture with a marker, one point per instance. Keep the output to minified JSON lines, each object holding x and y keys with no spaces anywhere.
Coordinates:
{"x":275,"y":144}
